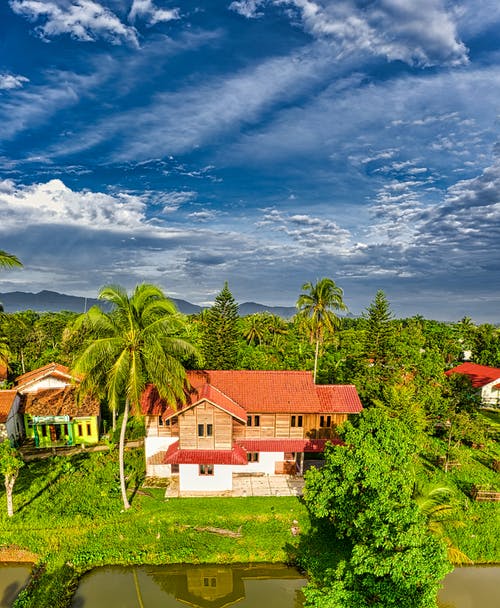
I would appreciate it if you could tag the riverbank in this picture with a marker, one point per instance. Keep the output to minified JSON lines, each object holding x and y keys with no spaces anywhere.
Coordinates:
{"x":68,"y":515}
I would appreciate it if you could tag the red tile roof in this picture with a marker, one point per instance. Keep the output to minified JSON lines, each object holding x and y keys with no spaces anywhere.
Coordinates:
{"x":6,"y":401}
{"x":479,"y":374}
{"x":176,"y":456}
{"x":285,"y":445}
{"x":339,"y":398}
{"x":51,"y":369}
{"x":259,"y":392}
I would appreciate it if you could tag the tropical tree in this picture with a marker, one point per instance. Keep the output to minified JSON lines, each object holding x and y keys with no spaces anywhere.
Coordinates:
{"x":8,"y":260}
{"x":318,"y":303}
{"x":363,"y":496}
{"x":220,"y":332}
{"x":136,"y":343}
{"x":10,"y":465}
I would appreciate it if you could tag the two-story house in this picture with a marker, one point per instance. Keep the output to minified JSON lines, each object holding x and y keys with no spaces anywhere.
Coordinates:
{"x":260,"y":422}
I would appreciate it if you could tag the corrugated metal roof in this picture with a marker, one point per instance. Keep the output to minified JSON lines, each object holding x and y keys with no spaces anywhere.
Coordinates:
{"x":478,"y":374}
{"x":284,"y":445}
{"x":175,"y":455}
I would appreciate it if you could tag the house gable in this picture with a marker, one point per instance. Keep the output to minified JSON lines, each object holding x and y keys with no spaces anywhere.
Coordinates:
{"x":53,"y":375}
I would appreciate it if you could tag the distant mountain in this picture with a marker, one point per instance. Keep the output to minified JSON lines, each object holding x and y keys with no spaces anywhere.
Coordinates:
{"x":52,"y":301}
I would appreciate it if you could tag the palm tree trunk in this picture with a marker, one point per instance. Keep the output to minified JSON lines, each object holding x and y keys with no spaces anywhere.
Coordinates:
{"x":9,"y":486}
{"x":316,"y":354}
{"x":121,"y":456}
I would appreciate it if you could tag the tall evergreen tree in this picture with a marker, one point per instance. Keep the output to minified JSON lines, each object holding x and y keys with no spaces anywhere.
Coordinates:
{"x":220,"y":335}
{"x":379,"y":330}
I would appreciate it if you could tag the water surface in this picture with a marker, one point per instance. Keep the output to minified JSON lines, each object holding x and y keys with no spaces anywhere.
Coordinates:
{"x":13,"y":577}
{"x":471,"y":587}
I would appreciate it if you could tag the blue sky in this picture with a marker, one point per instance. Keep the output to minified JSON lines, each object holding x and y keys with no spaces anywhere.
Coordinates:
{"x":263,"y":142}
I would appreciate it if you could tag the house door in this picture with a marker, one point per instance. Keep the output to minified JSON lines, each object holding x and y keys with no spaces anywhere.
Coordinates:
{"x":52,"y":431}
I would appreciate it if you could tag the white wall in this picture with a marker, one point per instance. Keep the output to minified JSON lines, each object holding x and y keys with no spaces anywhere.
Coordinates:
{"x":191,"y":481}
{"x":267,"y":464}
{"x":153,"y":445}
{"x":14,"y":421}
{"x":44,"y":383}
{"x":489,"y":395}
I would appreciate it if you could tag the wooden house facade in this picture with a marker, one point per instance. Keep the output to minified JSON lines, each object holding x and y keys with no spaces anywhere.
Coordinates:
{"x":234,"y":422}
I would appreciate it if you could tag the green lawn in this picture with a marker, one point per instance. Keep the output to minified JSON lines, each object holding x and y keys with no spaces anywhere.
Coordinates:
{"x":68,"y":511}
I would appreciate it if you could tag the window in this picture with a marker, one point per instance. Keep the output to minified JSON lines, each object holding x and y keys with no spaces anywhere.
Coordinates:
{"x":160,"y":421}
{"x":253,"y":456}
{"x":89,"y":429}
{"x":206,"y":469}
{"x":80,"y":430}
{"x":44,"y":431}
{"x":325,"y":421}
{"x":205,"y":430}
{"x":296,"y":421}
{"x":253,"y":420}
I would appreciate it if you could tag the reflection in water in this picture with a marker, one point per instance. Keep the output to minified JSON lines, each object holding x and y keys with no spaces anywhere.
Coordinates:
{"x":205,"y":586}
{"x":471,"y":587}
{"x":13,"y":577}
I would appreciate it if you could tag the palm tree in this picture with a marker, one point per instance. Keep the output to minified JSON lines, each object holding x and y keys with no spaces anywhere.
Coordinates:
{"x":8,"y":260}
{"x":132,"y":345}
{"x":436,"y":505}
{"x":317,"y":305}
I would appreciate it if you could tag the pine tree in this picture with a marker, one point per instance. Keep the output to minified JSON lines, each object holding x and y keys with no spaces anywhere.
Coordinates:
{"x":220,"y":335}
{"x":379,"y":331}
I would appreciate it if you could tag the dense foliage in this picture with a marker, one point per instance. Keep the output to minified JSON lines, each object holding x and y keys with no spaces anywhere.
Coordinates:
{"x":364,"y":491}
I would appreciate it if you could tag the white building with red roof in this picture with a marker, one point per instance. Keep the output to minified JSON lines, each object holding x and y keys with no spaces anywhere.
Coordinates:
{"x":482,"y":377}
{"x":237,"y":422}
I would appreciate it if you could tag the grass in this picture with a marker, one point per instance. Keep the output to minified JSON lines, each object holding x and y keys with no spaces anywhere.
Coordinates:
{"x":68,"y":512}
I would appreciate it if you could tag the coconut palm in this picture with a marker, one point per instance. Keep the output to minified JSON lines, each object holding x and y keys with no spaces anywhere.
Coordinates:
{"x":318,"y":304}
{"x":132,"y":345}
{"x":436,"y":505}
{"x":8,"y":260}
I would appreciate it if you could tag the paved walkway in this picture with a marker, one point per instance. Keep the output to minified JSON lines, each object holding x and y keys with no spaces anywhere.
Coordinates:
{"x":249,"y":485}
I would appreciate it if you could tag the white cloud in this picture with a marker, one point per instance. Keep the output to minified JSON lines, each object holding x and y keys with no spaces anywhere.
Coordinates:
{"x":422,"y":33}
{"x":54,"y":203}
{"x":145,"y":9}
{"x":11,"y":81}
{"x":83,"y":20}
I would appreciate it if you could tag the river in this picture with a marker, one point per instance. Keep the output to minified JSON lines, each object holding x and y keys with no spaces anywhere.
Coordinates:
{"x":244,"y":586}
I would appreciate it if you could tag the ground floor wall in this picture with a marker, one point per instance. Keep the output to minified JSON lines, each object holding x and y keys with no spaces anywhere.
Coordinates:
{"x":79,"y":431}
{"x":219,"y":480}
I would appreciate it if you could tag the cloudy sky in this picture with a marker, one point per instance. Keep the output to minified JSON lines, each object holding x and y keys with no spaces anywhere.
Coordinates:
{"x":263,"y":142}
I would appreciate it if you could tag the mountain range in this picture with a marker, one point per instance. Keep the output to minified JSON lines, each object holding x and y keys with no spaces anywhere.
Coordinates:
{"x":52,"y":301}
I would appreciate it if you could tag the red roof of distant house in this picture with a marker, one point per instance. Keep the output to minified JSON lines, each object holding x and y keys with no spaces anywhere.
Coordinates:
{"x":259,"y":392}
{"x":51,"y":369}
{"x":3,"y":372}
{"x":285,"y":445}
{"x":479,"y":374}
{"x":6,"y":401}
{"x":175,"y":455}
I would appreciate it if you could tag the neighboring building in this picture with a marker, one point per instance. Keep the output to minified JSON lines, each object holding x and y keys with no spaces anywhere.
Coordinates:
{"x":55,"y":417}
{"x":3,"y":374}
{"x":43,"y":405}
{"x":233,"y":422}
{"x":484,"y":378}
{"x":10,"y":421}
